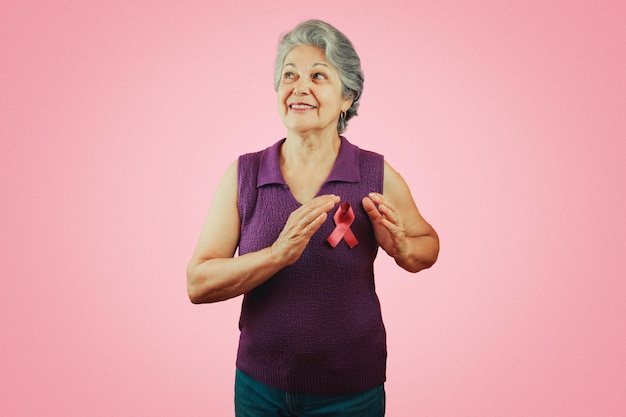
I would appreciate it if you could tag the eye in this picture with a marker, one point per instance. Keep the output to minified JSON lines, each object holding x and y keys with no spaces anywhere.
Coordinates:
{"x":319,"y":76}
{"x":289,"y":76}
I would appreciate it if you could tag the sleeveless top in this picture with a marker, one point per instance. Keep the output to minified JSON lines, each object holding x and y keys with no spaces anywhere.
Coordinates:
{"x":315,"y":327}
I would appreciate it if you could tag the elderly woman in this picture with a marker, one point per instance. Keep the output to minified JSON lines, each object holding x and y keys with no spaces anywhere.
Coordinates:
{"x":307,"y":216}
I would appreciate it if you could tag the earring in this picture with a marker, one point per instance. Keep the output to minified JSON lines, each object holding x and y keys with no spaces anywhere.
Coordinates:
{"x":343,"y":115}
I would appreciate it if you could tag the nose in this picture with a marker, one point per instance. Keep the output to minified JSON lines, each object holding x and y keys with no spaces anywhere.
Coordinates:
{"x":301,"y":87}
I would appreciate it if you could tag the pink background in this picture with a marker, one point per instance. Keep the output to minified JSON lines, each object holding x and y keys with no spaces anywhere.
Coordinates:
{"x":508,"y":121}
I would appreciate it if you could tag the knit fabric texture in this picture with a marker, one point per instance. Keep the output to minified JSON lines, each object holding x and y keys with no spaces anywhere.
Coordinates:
{"x":315,"y":327}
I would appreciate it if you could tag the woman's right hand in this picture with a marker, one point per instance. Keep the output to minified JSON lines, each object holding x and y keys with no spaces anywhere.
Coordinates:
{"x":215,"y":274}
{"x":300,"y":226}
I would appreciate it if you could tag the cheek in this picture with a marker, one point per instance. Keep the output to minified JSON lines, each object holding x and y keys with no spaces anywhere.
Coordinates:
{"x":281,"y":104}
{"x":280,"y":101}
{"x":334,"y":102}
{"x":282,"y":95}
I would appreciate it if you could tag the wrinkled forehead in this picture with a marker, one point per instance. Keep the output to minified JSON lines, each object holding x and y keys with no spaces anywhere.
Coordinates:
{"x":307,"y":56}
{"x":306,"y":53}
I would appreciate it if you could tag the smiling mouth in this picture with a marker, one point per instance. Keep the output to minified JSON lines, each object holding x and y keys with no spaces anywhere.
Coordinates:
{"x":300,"y":106}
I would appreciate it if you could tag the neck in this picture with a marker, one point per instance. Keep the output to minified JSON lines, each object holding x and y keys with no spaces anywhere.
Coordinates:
{"x":310,"y":148}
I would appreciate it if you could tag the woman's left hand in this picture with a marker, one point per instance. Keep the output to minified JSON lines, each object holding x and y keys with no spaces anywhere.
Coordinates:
{"x":399,"y":227}
{"x":387,"y":223}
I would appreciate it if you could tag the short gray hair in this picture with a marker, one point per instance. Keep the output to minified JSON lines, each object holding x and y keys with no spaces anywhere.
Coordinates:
{"x":340,"y":53}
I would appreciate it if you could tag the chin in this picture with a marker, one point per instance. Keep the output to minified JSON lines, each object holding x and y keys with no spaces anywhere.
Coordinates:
{"x":300,"y":127}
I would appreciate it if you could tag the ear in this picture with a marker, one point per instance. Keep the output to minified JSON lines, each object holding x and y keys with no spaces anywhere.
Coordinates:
{"x":347,"y":103}
{"x":348,"y":100}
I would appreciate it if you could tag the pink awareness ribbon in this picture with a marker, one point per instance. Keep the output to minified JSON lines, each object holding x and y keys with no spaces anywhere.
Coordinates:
{"x":344,"y":216}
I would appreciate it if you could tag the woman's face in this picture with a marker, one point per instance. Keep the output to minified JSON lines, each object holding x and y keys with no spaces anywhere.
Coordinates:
{"x":310,"y":97}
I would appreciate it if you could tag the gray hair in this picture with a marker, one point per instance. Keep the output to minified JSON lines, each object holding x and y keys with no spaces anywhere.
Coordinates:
{"x":340,"y":54}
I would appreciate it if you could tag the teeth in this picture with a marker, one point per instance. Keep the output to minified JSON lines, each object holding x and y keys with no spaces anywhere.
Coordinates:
{"x":301,"y":106}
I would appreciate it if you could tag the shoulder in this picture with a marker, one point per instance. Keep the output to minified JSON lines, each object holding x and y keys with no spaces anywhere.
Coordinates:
{"x":394,"y":184}
{"x":250,"y":158}
{"x":366,"y":157}
{"x":264,"y":159}
{"x":358,"y":150}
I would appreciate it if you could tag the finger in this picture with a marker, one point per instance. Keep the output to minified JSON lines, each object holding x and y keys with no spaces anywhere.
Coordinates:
{"x":317,"y":206}
{"x":306,"y":229}
{"x":384,"y":204}
{"x":388,"y":212}
{"x":316,"y":203}
{"x":370,"y":209}
{"x":308,"y":215}
{"x":316,"y":224}
{"x":377,"y":198}
{"x":392,"y":227}
{"x":324,"y":202}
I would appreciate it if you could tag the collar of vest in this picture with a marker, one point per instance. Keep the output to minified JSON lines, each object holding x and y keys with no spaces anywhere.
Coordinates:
{"x":345,"y":169}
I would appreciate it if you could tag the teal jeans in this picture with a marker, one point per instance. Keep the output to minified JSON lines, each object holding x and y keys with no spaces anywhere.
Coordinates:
{"x":254,"y":399}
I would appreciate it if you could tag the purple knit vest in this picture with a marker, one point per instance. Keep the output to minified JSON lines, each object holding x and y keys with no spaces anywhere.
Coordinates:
{"x":316,"y":326}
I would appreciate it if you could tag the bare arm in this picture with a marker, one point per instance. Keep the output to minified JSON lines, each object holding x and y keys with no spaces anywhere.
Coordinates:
{"x":399,"y":227}
{"x":214,"y":274}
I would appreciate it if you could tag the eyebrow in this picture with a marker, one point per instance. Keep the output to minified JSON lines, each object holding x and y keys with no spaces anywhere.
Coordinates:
{"x":289,"y":64}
